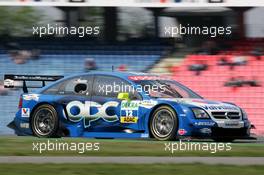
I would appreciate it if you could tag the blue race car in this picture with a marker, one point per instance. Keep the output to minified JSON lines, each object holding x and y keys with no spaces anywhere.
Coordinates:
{"x":122,"y":105}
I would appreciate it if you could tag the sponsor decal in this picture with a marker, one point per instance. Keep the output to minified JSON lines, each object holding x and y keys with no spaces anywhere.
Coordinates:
{"x":34,"y":97}
{"x":37,"y":77}
{"x":206,"y":130}
{"x":182,"y":131}
{"x":129,"y":111}
{"x":144,"y":136}
{"x":204,"y":101}
{"x":24,"y":125}
{"x":148,"y":103}
{"x":219,"y":107}
{"x":231,"y":123}
{"x":78,"y":111}
{"x":9,"y":83}
{"x":25,"y":112}
{"x":125,"y":119}
{"x":130,"y":105}
{"x":204,"y":123}
{"x":138,"y":78}
{"x":206,"y":104}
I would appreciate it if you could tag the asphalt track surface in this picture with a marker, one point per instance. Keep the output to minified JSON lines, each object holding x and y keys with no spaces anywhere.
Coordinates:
{"x":138,"y":159}
{"x":134,"y":160}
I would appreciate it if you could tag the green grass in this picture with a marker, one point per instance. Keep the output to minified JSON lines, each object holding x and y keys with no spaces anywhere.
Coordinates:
{"x":22,"y":146}
{"x":133,"y":169}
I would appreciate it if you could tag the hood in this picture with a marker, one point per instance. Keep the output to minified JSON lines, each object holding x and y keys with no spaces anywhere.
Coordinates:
{"x":207,"y":105}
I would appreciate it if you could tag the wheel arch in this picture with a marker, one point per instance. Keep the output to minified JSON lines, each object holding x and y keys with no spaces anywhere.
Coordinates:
{"x":40,"y":104}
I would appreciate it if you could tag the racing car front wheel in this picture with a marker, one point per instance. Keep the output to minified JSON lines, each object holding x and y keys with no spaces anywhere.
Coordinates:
{"x":164,"y":123}
{"x":44,"y":121}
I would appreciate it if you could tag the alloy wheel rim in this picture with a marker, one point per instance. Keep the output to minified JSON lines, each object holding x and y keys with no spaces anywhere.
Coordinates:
{"x":163,"y":123}
{"x":43,"y":122}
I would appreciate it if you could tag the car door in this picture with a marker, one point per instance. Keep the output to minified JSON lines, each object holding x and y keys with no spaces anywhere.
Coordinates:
{"x":113,"y":114}
{"x":75,"y":96}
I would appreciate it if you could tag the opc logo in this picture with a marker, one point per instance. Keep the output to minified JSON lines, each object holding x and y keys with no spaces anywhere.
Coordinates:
{"x":77,"y":111}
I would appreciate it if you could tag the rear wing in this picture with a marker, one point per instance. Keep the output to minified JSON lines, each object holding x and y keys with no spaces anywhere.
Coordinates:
{"x":20,"y":81}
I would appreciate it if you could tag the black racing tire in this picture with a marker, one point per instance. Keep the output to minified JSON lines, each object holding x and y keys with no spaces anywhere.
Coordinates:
{"x":164,"y":124}
{"x":44,"y":121}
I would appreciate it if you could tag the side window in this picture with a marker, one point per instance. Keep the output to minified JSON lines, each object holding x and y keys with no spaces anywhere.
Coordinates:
{"x":53,"y":89}
{"x":77,"y":86}
{"x":109,"y":86}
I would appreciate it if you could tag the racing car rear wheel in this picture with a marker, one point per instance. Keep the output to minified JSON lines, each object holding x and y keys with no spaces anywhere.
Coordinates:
{"x":164,"y":123}
{"x":44,"y":121}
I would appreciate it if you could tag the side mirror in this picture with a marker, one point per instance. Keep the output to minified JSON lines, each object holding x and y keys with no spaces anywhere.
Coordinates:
{"x":123,"y":96}
{"x":80,"y":88}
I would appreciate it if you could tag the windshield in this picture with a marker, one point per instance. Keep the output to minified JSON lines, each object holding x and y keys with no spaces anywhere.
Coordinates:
{"x":166,"y":89}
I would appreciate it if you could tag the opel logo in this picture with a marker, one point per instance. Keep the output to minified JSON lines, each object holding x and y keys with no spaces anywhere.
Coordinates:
{"x":226,"y":114}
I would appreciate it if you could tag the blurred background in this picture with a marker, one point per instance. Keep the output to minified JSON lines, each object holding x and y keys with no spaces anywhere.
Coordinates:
{"x":226,"y":68}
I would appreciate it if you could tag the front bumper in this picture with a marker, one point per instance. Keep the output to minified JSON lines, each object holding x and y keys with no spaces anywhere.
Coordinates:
{"x":238,"y":130}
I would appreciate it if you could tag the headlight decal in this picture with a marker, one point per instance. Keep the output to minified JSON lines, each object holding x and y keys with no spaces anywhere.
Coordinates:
{"x":200,"y":113}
